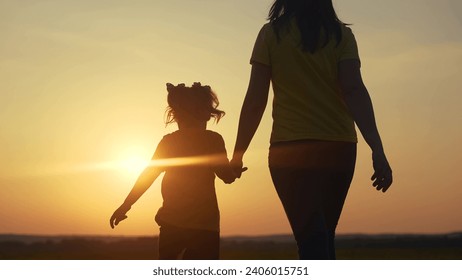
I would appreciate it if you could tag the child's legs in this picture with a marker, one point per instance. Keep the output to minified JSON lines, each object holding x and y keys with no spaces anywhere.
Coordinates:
{"x":202,"y":245}
{"x":172,"y":241}
{"x":195,"y":244}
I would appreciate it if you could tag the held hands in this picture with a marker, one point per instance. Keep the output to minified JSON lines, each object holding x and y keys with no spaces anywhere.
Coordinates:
{"x":235,"y":174}
{"x":119,"y":215}
{"x":382,"y":177}
{"x":237,"y":167}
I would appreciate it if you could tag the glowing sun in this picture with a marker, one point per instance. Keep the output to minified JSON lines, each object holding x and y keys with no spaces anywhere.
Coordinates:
{"x":132,"y":161}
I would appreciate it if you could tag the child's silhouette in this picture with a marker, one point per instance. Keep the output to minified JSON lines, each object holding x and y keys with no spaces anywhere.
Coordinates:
{"x":191,"y":156}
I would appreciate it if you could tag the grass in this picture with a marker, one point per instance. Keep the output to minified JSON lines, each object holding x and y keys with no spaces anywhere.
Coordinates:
{"x":357,"y":247}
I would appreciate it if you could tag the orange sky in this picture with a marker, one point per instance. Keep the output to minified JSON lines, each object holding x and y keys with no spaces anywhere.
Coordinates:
{"x":83,"y":98}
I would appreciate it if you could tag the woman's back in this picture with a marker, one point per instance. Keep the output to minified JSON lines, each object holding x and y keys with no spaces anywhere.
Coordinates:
{"x":308,"y":103}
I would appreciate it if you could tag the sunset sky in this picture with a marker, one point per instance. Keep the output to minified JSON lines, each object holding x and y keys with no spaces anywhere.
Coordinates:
{"x":82,"y":102}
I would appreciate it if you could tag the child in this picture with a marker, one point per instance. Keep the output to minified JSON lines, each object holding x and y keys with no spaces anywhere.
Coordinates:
{"x":191,"y":157}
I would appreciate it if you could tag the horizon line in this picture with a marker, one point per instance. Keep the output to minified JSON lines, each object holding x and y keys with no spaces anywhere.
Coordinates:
{"x":89,"y":235}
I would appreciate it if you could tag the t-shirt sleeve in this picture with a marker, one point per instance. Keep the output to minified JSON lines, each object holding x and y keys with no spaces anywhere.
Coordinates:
{"x":218,"y":149}
{"x":348,"y":48}
{"x":160,"y":154}
{"x":261,"y":53}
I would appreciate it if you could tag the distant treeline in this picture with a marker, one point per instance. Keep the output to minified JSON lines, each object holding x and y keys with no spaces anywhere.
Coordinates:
{"x":362,"y":247}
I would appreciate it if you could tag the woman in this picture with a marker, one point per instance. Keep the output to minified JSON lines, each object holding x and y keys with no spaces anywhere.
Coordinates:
{"x":312,"y":60}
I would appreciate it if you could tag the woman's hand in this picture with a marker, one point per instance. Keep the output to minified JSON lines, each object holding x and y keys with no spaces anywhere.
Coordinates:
{"x":382,"y":177}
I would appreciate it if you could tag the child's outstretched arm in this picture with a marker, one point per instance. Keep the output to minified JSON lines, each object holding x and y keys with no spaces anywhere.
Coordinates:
{"x":144,"y":181}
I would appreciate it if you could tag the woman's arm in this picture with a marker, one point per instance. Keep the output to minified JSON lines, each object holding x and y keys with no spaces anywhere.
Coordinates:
{"x":359,"y":102}
{"x":251,"y":112}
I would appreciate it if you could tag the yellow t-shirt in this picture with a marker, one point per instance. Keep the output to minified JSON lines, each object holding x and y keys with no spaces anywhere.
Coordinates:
{"x":308,"y":102}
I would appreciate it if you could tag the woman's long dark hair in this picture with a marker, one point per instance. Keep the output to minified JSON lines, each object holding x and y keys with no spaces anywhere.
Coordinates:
{"x":316,"y":20}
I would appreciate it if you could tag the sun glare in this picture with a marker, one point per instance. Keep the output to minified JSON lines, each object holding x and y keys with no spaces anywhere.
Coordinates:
{"x":133,"y":164}
{"x":132,"y":161}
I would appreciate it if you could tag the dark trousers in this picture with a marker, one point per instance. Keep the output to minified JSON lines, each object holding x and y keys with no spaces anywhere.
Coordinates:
{"x":312,"y":179}
{"x":189,"y":244}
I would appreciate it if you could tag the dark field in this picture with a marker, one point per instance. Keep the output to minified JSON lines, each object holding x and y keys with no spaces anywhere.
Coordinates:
{"x":349,"y":247}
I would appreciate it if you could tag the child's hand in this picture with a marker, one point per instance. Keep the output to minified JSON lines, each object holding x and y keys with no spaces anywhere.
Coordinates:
{"x":119,"y":215}
{"x":229,"y":180}
{"x":234,"y":176}
{"x":237,"y":167}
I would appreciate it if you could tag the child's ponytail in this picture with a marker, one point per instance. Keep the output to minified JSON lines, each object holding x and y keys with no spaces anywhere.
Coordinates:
{"x":198,"y":101}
